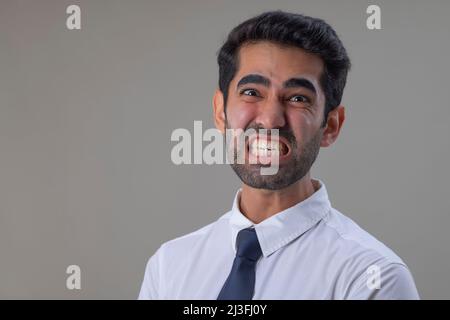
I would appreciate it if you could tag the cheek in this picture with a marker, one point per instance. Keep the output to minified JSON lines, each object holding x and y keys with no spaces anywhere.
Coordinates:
{"x":303,"y":125}
{"x":239,"y":116}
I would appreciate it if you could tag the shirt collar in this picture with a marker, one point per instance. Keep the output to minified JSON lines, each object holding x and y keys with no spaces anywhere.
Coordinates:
{"x":285,"y":226}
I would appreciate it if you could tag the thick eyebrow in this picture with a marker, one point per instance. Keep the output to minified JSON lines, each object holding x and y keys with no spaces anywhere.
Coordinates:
{"x":291,"y":83}
{"x":254,"y":78}
{"x":300,"y":82}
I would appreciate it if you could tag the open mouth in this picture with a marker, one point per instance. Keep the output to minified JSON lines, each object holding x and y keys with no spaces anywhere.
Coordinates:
{"x":268,"y":146}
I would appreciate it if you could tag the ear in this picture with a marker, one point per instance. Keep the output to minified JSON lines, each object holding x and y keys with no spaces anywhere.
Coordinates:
{"x":219,"y":110}
{"x":335,"y":120}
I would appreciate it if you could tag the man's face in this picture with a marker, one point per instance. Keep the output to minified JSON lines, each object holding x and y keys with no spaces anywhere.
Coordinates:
{"x":276,"y":87}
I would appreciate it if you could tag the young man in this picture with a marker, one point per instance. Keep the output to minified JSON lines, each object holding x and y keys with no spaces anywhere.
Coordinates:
{"x":281,"y":239}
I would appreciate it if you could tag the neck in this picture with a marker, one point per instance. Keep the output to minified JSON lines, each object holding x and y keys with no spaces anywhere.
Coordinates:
{"x":260,"y":204}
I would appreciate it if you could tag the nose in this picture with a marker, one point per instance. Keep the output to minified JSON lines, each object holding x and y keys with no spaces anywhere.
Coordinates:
{"x":271,"y":115}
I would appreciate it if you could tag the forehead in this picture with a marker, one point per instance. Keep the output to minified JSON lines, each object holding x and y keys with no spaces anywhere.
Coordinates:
{"x":278,"y":62}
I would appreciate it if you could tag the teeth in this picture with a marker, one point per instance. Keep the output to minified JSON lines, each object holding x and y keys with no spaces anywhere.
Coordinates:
{"x":265,"y":148}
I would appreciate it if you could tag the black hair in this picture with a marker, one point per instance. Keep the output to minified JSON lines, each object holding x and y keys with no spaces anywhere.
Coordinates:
{"x":310,"y":34}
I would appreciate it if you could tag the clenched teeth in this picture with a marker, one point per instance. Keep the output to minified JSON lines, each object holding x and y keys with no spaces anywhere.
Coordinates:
{"x":265,"y":148}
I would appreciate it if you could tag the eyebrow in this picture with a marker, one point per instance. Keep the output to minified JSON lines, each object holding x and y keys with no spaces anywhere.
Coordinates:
{"x":291,"y":83}
{"x":300,"y":82}
{"x":254,"y":78}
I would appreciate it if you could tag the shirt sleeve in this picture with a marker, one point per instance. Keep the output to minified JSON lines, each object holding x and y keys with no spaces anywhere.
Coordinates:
{"x":396,"y":283}
{"x":150,"y":284}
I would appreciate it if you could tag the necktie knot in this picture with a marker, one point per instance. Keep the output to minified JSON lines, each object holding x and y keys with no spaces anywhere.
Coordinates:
{"x":248,"y":245}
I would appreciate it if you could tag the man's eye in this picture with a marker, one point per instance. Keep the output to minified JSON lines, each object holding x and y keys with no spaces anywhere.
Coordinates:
{"x":299,"y":99}
{"x":250,"y":92}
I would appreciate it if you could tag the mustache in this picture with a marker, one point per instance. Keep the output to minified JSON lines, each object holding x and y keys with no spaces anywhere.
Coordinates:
{"x":284,"y":132}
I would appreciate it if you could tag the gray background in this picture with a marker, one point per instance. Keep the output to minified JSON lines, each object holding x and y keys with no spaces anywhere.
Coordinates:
{"x":86,"y":118}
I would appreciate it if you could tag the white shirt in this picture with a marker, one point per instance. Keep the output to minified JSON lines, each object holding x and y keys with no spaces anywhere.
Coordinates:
{"x":310,"y":251}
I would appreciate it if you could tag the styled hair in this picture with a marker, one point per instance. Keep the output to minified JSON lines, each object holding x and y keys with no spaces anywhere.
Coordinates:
{"x":310,"y":34}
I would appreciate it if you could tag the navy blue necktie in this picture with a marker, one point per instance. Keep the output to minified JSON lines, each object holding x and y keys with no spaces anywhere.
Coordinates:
{"x":240,"y":284}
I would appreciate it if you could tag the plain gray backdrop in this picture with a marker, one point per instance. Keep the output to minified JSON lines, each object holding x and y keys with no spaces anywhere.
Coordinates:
{"x":86,"y":118}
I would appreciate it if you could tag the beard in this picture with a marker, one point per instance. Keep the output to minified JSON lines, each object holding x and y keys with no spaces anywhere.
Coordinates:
{"x":302,"y":158}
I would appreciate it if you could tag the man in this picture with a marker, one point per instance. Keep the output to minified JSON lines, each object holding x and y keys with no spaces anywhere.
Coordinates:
{"x":281,"y":239}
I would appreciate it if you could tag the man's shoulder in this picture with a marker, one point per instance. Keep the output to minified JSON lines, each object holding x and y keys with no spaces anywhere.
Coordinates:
{"x":187,"y":242}
{"x":361,"y":256}
{"x":347,"y":234}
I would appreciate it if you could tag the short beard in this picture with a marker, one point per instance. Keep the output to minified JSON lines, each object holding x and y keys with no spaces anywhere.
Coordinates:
{"x":298,"y":166}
